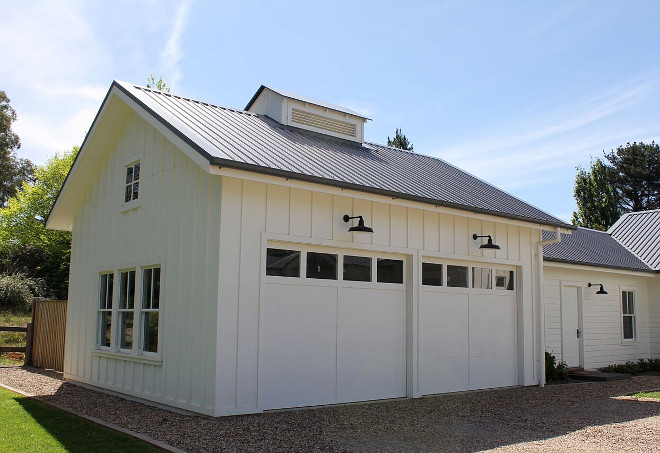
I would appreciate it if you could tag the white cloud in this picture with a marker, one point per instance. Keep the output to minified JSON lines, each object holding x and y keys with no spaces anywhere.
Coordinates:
{"x":172,"y":53}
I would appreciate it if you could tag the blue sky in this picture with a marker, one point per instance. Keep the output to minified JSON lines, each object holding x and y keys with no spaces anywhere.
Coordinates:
{"x":518,"y":93}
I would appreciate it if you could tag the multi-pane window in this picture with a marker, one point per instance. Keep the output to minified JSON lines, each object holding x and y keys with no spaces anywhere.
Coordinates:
{"x":132,"y":184}
{"x":105,"y":310}
{"x":628,"y":313}
{"x":137,"y":321}
{"x":150,"y":308}
{"x":126,"y":308}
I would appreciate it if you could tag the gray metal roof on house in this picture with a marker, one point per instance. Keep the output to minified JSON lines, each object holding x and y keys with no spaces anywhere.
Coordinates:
{"x":591,"y":248}
{"x":298,"y":97}
{"x":639,"y":232}
{"x":243,"y":140}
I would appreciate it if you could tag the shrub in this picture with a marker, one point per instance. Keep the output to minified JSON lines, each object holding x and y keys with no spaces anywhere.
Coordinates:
{"x":17,"y":291}
{"x":554,"y":372}
{"x":633,"y":368}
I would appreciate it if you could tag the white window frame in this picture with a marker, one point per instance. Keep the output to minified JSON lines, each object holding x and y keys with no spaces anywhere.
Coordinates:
{"x":142,"y":310}
{"x":102,"y":307}
{"x":121,"y":311}
{"x":137,"y":349}
{"x":632,"y":315}
{"x":133,"y":202}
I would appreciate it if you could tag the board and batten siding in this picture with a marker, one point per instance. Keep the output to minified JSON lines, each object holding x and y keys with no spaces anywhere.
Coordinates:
{"x":269,"y":208}
{"x":176,"y":225}
{"x":602,"y":331}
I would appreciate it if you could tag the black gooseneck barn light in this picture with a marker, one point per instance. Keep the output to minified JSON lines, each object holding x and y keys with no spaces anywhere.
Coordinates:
{"x":601,"y":290}
{"x":360,"y":228}
{"x":487,"y":245}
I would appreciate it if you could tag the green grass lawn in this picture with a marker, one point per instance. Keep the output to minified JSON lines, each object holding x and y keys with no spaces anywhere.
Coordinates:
{"x":8,"y":318}
{"x":648,"y":395}
{"x":32,"y":426}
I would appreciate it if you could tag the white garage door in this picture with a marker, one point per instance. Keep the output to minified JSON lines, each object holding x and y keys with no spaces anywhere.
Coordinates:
{"x":467,"y":327}
{"x":332,"y":327}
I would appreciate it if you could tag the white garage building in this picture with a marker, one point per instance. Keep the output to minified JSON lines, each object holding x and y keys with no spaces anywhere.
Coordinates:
{"x":212,"y":268}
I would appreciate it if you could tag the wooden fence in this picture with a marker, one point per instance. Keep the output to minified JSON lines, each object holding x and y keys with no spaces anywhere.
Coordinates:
{"x":27,"y":349}
{"x":49,"y":327}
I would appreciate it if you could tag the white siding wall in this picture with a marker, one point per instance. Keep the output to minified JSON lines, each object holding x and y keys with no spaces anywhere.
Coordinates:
{"x":654,"y":316}
{"x":178,"y":226}
{"x":601,"y":313}
{"x":311,"y":214}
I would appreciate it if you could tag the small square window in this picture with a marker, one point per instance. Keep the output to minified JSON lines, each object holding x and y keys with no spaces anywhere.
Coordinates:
{"x":431,"y":274}
{"x":283,"y":263}
{"x":504,"y":279}
{"x":457,"y":276}
{"x":322,"y":266}
{"x":357,"y":268}
{"x":389,"y":271}
{"x":481,"y":278}
{"x":132,"y":184}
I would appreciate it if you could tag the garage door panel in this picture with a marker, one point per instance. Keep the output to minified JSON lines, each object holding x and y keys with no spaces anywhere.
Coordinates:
{"x":468,"y":339}
{"x":370,"y":380}
{"x":370,"y":306}
{"x":298,"y":385}
{"x":444,"y":375}
{"x":492,"y":371}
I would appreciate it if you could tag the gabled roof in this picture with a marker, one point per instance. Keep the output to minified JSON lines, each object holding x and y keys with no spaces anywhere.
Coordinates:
{"x":592,"y":248}
{"x":242,"y":140}
{"x":639,"y":232}
{"x":300,"y":98}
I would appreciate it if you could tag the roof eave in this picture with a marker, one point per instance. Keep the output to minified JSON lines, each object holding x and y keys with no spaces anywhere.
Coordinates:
{"x":601,"y":266}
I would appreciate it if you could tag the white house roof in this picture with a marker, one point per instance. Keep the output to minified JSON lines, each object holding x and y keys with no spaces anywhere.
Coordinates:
{"x":592,"y":248}
{"x":246,"y":141}
{"x":639,"y":232}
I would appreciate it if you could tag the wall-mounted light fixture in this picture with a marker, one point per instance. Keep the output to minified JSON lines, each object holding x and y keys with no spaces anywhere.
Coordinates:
{"x":487,"y":245}
{"x":601,"y":290}
{"x":360,"y":228}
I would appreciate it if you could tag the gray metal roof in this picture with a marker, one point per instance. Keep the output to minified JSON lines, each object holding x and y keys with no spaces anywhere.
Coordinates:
{"x":243,"y":140}
{"x":298,"y":97}
{"x":639,"y":232}
{"x":591,"y":248}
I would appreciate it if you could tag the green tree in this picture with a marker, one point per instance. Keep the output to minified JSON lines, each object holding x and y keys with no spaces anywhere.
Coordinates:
{"x":159,"y":84}
{"x":400,"y":141}
{"x":637,"y":177}
{"x":597,"y":199}
{"x":13,"y":171}
{"x":26,"y":245}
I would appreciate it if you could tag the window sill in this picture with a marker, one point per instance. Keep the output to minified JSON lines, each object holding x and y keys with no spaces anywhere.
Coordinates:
{"x":127,"y":357}
{"x":632,"y":342}
{"x":130,"y":206}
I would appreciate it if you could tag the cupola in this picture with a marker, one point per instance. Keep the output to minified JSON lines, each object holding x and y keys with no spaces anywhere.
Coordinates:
{"x":299,"y":111}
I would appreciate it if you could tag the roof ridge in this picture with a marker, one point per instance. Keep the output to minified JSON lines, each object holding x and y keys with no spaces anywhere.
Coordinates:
{"x":209,"y":104}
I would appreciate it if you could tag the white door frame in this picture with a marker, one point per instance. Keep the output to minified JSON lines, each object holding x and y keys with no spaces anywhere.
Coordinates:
{"x":580,"y":288}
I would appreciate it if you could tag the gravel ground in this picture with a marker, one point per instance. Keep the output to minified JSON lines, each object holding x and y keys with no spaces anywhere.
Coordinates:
{"x":575,"y":417}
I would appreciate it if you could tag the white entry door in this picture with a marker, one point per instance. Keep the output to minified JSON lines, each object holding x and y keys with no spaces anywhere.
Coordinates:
{"x":571,"y":336}
{"x":325,"y":338}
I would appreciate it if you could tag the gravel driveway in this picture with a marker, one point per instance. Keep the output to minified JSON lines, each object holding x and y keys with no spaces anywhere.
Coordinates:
{"x":579,"y":416}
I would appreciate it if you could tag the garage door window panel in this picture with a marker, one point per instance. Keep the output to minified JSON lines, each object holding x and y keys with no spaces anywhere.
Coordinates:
{"x":283,"y":263}
{"x":389,"y":271}
{"x":457,"y":276}
{"x":321,"y":266}
{"x":431,"y":274}
{"x":357,"y":268}
{"x":504,"y":279}
{"x":482,"y":278}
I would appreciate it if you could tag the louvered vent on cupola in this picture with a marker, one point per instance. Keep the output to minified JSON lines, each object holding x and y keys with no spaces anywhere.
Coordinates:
{"x":306,"y":113}
{"x":321,"y":122}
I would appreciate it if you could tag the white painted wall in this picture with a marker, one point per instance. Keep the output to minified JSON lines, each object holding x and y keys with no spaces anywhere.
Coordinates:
{"x":177,"y":225}
{"x":603,"y":342}
{"x":258,"y":208}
